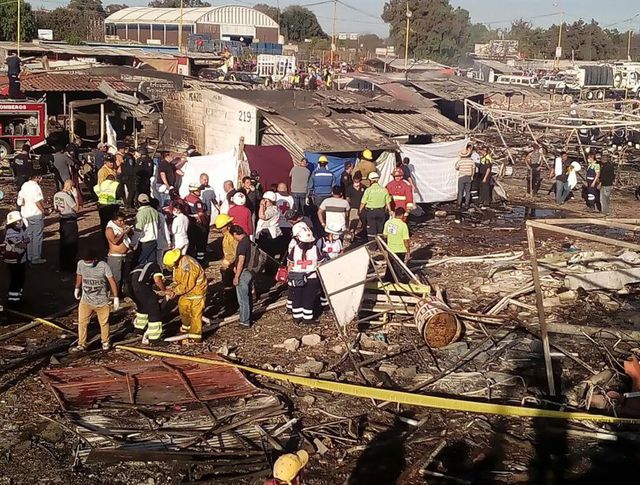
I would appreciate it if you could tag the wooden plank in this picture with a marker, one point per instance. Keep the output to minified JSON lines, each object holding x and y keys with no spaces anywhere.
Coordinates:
{"x":18,"y":331}
{"x":411,"y":288}
{"x":582,"y":235}
{"x":630,"y":226}
{"x":533,"y":254}
{"x":409,"y":300}
{"x":603,"y":332}
{"x":129,"y":455}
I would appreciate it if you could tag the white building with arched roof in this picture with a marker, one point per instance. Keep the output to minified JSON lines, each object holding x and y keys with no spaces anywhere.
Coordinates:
{"x":149,"y":25}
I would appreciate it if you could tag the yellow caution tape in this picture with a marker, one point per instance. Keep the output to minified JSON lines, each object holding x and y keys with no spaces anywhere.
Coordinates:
{"x":399,"y":397}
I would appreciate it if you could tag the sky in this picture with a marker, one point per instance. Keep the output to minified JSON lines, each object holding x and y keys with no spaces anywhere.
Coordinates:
{"x":497,"y":13}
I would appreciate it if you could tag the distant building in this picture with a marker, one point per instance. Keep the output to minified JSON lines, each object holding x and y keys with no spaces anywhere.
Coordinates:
{"x":148,"y":25}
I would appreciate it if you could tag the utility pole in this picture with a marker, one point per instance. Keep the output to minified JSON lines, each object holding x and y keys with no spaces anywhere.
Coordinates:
{"x":180,"y":26}
{"x":559,"y":48}
{"x":18,"y":29}
{"x":333,"y":31}
{"x":406,"y":40}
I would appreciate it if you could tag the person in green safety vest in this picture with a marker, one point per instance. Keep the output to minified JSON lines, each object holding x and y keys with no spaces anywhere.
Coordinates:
{"x":110,"y":194}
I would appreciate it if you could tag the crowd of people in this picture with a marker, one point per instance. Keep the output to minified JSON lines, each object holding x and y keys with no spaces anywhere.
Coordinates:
{"x":147,"y":228}
{"x":475,"y":176}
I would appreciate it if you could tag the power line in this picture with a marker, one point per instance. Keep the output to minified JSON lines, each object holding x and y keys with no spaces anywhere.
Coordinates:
{"x":358,"y":10}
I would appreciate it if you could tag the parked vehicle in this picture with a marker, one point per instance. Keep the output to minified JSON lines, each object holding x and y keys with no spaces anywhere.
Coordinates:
{"x":517,"y":80}
{"x":21,"y":122}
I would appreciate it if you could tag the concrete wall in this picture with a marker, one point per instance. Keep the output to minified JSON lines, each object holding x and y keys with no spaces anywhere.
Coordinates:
{"x":208,"y":119}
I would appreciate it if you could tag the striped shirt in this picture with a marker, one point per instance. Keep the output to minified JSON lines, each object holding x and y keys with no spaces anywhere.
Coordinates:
{"x":465,"y":167}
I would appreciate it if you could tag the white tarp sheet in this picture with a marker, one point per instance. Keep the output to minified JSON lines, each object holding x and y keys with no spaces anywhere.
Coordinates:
{"x":219,"y":167}
{"x":433,"y":168}
{"x":343,"y":279}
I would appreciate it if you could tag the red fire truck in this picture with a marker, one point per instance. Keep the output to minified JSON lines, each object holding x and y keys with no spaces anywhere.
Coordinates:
{"x":21,"y":121}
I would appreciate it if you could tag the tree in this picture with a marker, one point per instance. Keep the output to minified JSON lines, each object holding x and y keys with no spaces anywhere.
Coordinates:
{"x":176,"y":3}
{"x":9,"y":21}
{"x":72,"y":25}
{"x":438,"y":31}
{"x":114,"y":7}
{"x":298,"y":23}
{"x":87,"y":6}
{"x":269,"y":11}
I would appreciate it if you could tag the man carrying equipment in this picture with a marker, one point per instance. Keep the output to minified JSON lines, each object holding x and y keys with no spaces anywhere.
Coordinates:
{"x":190,"y":285}
{"x":148,"y":313}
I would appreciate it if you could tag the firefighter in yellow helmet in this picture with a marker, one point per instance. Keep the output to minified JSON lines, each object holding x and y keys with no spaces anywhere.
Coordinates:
{"x":287,"y":470}
{"x":365,"y":166}
{"x":190,"y":286}
{"x":229,"y":245}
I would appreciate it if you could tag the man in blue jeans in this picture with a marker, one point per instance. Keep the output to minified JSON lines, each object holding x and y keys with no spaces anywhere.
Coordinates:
{"x":243,"y":278}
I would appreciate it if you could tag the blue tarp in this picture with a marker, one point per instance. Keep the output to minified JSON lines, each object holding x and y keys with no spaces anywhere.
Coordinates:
{"x":336,"y":163}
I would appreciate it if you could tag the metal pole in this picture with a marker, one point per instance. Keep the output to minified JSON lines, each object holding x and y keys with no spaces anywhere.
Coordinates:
{"x":333,"y":31}
{"x":544,"y":334}
{"x":180,"y":26}
{"x":406,"y":40}
{"x":629,"y":46}
{"x":557,"y":63}
{"x":102,"y":123}
{"x":18,"y":30}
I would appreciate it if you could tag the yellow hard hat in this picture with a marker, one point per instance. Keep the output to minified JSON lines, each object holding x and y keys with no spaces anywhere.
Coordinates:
{"x":323,"y":159}
{"x":287,"y":467}
{"x":367,"y":155}
{"x":171,"y":257}
{"x":222,"y":220}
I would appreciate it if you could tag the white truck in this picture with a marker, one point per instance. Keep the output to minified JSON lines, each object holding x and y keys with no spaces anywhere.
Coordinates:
{"x":596,"y":82}
{"x":274,"y":66}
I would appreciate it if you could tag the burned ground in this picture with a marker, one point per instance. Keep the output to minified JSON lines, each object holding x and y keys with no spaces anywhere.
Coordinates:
{"x":352,"y":440}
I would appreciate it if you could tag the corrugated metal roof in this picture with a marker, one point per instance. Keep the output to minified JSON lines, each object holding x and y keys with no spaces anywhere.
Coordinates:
{"x":94,"y":51}
{"x":454,"y":88}
{"x":426,"y":122}
{"x":497,"y":66}
{"x":146,"y":383}
{"x":58,"y":82}
{"x":232,"y":14}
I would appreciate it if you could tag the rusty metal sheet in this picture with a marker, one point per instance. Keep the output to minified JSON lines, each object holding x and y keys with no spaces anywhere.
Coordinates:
{"x":146,"y":383}
{"x":58,"y":82}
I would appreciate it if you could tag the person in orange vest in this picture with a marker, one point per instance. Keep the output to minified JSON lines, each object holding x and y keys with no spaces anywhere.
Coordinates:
{"x":400,"y":191}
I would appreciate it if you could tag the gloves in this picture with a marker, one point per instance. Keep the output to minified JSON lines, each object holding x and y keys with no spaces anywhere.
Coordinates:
{"x":116,"y":304}
{"x":77,"y":293}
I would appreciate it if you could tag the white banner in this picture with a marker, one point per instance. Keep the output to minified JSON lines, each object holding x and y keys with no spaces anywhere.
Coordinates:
{"x":433,"y":168}
{"x":219,"y":168}
{"x":112,"y":139}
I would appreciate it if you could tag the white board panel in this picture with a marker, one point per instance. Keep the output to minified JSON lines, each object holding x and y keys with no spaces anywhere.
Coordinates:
{"x":343,"y":280}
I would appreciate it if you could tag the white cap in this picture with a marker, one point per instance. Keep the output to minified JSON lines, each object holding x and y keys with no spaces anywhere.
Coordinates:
{"x":270,"y":195}
{"x":13,"y":216}
{"x":302,"y":232}
{"x":374,"y":176}
{"x":239,"y":198}
{"x":576,"y":166}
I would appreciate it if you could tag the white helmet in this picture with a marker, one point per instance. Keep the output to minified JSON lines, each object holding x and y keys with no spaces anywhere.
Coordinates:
{"x":239,"y":198}
{"x":270,"y":195}
{"x":302,"y":233}
{"x":13,"y":216}
{"x":334,"y":229}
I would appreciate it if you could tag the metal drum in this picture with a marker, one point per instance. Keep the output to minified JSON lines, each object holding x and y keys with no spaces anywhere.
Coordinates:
{"x":438,"y":327}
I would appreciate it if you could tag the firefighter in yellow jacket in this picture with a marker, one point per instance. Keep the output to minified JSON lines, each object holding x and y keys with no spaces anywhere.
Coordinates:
{"x":190,"y":286}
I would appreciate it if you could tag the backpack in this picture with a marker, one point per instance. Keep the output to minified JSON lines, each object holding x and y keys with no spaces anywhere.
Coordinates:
{"x":258,"y":260}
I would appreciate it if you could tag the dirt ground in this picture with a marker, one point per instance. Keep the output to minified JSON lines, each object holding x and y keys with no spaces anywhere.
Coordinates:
{"x":381,"y":446}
